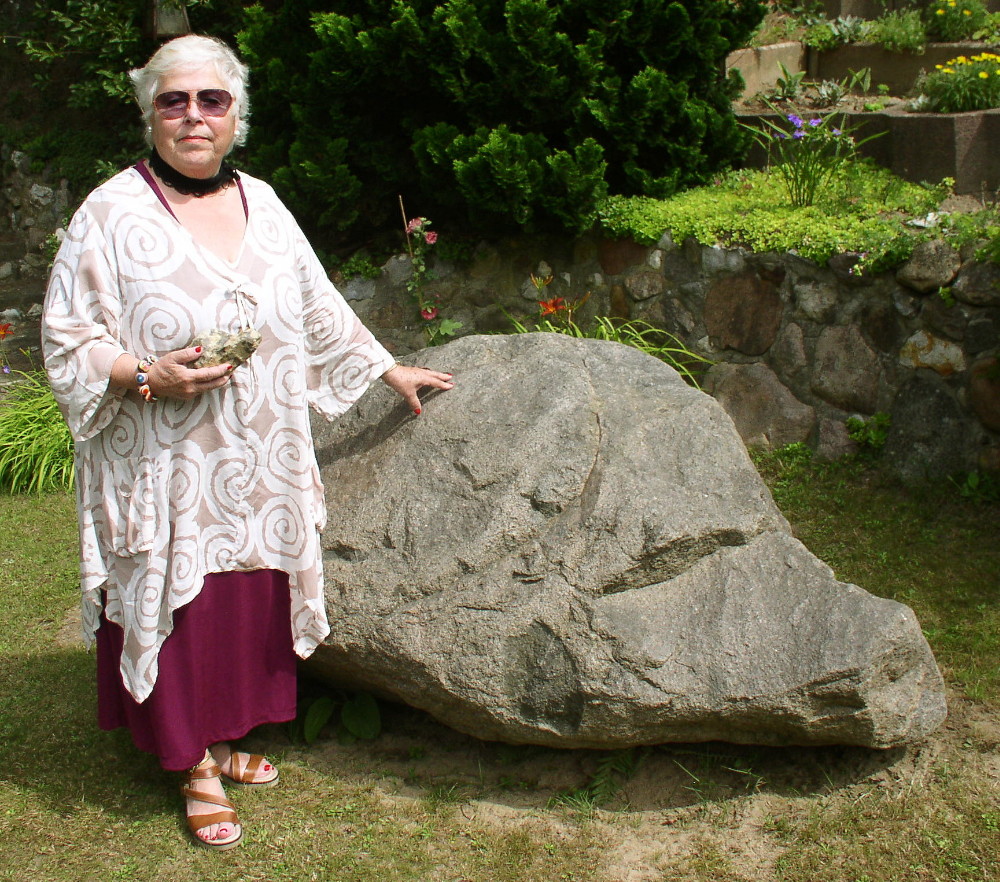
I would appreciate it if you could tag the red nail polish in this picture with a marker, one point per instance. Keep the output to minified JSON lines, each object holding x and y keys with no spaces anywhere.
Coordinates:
{"x":417,"y":411}
{"x":197,"y":349}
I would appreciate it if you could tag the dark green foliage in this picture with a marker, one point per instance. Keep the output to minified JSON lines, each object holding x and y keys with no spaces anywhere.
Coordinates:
{"x":499,"y":113}
{"x":66,"y":99}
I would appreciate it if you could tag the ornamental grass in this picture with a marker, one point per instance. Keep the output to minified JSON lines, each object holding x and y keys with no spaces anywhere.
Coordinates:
{"x":36,"y":449}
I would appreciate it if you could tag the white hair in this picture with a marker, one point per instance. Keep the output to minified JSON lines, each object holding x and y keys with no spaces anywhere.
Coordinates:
{"x":192,"y":52}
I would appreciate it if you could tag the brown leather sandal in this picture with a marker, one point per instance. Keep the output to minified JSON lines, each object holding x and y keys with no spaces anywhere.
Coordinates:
{"x":208,"y":768}
{"x":243,"y":772}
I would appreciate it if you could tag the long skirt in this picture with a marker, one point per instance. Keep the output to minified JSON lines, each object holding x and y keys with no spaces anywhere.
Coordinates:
{"x":227,"y":666}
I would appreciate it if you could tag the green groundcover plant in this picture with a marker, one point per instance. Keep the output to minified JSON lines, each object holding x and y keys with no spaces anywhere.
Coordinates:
{"x":862,"y":209}
{"x":36,"y":449}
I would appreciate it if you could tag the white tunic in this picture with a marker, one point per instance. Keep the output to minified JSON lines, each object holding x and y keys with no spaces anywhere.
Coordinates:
{"x":171,"y":490}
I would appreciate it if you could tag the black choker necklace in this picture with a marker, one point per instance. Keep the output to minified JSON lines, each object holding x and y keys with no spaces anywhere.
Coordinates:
{"x":192,"y":186}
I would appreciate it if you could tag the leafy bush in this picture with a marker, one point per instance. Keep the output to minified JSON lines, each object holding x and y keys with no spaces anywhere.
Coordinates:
{"x":72,"y":57}
{"x":899,"y":31}
{"x":963,"y":83}
{"x":827,"y":34}
{"x":36,"y":449}
{"x":505,"y":113}
{"x":951,"y":20}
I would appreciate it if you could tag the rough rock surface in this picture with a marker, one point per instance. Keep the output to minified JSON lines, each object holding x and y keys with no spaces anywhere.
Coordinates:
{"x":220,"y":347}
{"x":927,"y":439}
{"x":932,"y":265}
{"x":573,"y":548}
{"x":766,"y":414}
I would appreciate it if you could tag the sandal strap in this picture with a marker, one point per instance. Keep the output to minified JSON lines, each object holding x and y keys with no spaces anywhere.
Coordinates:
{"x":248,"y":773}
{"x":190,"y":793}
{"x":211,"y":770}
{"x":200,"y":822}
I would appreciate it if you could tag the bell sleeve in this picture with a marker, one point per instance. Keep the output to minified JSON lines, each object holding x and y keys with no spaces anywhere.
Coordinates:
{"x":342,"y":356}
{"x":80,"y":324}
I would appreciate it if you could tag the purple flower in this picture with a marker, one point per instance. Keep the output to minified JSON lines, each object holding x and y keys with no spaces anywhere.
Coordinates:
{"x":798,"y":134}
{"x":795,"y":120}
{"x":815,"y":122}
{"x":836,"y":131}
{"x":6,"y":368}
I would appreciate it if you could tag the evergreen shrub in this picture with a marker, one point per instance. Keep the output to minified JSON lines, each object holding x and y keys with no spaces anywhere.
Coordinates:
{"x":502,"y":114}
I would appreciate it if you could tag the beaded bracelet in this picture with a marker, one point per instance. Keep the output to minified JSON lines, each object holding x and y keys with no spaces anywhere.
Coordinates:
{"x":142,"y":377}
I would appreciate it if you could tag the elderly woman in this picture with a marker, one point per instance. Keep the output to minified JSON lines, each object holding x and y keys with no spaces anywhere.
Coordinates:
{"x":199,"y":497}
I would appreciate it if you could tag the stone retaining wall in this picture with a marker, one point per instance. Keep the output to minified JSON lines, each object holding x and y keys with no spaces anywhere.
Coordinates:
{"x":798,"y":348}
{"x":32,"y":208}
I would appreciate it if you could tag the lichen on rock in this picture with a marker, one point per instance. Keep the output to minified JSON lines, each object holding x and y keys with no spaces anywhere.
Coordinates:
{"x":222,"y":347}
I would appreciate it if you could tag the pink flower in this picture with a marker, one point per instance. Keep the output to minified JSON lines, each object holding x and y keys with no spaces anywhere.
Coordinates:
{"x":429,"y":313}
{"x":416,"y":224}
{"x":430,"y":238}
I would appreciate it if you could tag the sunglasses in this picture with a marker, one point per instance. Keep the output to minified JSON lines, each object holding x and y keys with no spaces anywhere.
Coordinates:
{"x":211,"y":102}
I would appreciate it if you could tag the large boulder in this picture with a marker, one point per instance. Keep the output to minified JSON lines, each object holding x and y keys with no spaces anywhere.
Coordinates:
{"x":572,"y":548}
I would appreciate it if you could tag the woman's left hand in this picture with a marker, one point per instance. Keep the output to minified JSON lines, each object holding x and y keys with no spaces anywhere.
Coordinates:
{"x":407,"y":381}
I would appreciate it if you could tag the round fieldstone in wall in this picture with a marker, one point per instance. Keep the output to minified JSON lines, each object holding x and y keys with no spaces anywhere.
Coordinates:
{"x":984,"y":392}
{"x":947,"y":320}
{"x":617,"y":255}
{"x":816,"y":301}
{"x":882,"y":326}
{"x":983,"y":332}
{"x":766,"y":413}
{"x":932,"y":265}
{"x":927,"y":437}
{"x":978,"y":284}
{"x":924,"y":350}
{"x":788,"y":354}
{"x":743,"y":313}
{"x":846,"y":370}
{"x":642,"y":284}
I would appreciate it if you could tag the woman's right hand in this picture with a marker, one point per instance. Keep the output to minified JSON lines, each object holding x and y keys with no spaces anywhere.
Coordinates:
{"x":172,"y":375}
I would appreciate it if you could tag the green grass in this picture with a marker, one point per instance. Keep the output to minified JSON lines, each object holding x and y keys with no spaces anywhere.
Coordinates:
{"x":931,"y":550}
{"x":424,"y":803}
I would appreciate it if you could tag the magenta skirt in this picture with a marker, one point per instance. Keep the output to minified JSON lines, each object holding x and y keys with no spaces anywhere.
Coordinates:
{"x":227,"y":667}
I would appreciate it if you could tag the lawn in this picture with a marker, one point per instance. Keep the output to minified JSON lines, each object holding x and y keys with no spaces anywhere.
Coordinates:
{"x":421,"y":802}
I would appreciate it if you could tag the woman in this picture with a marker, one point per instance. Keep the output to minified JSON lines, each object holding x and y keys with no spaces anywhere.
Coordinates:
{"x":199,"y":496}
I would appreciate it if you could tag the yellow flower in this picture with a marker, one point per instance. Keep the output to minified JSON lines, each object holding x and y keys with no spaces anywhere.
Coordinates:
{"x":939,"y":12}
{"x":966,"y":12}
{"x":983,"y":75}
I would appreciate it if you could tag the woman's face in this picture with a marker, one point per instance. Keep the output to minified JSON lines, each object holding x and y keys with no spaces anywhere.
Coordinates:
{"x":194,"y":144}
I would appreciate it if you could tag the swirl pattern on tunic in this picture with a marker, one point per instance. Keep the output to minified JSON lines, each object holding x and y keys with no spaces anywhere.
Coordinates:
{"x":169,"y":490}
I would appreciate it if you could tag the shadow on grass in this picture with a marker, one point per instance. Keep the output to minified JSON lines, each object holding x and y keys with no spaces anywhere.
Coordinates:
{"x":418,"y":757}
{"x":53,"y":748}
